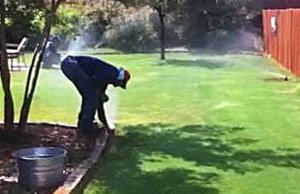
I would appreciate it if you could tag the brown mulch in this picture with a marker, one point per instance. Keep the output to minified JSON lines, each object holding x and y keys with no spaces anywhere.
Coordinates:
{"x":37,"y":135}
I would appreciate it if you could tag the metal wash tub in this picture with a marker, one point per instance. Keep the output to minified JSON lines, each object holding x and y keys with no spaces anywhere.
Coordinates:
{"x":40,"y":167}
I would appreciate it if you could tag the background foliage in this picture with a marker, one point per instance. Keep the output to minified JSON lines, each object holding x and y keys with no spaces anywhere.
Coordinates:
{"x":133,"y":26}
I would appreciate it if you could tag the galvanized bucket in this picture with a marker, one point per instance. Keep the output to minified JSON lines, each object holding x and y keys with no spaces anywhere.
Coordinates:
{"x":40,"y":167}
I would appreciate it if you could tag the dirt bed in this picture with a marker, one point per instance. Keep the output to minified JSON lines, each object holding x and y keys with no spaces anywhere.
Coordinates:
{"x":36,"y":135}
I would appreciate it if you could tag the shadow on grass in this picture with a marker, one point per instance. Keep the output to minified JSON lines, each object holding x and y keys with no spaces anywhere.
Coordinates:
{"x":195,"y":145}
{"x":207,"y":64}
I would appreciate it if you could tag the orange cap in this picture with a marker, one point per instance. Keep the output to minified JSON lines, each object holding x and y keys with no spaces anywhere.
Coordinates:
{"x":127,"y":77}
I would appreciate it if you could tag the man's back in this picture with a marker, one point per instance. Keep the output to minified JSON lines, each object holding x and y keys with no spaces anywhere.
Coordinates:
{"x":100,"y":71}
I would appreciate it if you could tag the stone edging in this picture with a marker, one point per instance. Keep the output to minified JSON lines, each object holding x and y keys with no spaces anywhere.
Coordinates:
{"x":78,"y":179}
{"x":66,"y":125}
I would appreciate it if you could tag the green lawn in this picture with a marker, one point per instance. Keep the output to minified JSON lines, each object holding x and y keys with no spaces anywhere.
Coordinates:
{"x":196,"y":125}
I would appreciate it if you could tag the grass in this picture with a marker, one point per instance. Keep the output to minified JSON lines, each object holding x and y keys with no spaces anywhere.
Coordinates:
{"x":194,"y":124}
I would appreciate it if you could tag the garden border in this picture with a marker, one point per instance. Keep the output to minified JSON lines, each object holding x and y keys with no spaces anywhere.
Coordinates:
{"x":78,"y":179}
{"x":76,"y":182}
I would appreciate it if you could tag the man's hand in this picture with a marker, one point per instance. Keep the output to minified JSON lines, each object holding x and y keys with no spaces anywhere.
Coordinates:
{"x":110,"y":132}
{"x":104,"y":98}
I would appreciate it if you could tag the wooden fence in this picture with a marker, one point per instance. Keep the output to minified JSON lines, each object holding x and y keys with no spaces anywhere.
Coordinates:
{"x":282,"y":37}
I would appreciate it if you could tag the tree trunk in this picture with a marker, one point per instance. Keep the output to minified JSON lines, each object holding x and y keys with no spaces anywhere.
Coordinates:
{"x":5,"y":74}
{"x":26,"y":102}
{"x":161,"y":16}
{"x":31,"y":85}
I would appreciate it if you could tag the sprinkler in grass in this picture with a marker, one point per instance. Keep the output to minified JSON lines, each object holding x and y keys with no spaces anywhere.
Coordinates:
{"x":76,"y":45}
{"x":162,"y":62}
{"x":276,"y":77}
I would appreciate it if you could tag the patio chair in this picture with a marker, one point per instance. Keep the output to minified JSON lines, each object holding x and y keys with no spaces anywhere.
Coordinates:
{"x":16,"y":51}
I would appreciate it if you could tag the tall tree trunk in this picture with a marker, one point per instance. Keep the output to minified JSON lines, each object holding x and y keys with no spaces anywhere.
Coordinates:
{"x":5,"y":74}
{"x":161,"y":16}
{"x":31,"y":84}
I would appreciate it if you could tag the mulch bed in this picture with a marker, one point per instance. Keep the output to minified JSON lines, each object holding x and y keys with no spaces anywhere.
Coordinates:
{"x":36,"y":135}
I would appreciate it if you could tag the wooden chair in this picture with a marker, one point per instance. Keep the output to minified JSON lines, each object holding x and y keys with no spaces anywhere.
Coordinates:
{"x":16,"y":51}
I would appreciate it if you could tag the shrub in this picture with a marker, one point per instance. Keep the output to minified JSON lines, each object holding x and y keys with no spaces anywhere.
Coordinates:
{"x":173,"y":29}
{"x":132,"y":32}
{"x":132,"y":37}
{"x":97,"y":16}
{"x":223,"y":26}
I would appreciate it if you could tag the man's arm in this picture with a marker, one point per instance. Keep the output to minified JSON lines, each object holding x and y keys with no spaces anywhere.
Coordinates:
{"x":101,"y":114}
{"x":100,"y":108}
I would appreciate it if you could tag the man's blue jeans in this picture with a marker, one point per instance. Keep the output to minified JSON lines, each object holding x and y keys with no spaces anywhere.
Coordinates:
{"x":85,"y":87}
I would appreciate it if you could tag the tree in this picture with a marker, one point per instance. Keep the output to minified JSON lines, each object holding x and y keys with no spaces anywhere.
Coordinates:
{"x":21,"y":20}
{"x":5,"y":75}
{"x":162,"y":7}
{"x":5,"y":10}
{"x":39,"y":53}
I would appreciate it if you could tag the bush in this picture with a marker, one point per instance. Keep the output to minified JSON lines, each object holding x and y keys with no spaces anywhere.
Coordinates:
{"x":132,"y":32}
{"x":97,"y":16}
{"x":132,"y":37}
{"x":224,"y":26}
{"x":234,"y":40}
{"x":173,"y":29}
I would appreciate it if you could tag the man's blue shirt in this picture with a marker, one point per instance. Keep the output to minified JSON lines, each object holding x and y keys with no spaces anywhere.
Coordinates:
{"x":101,"y":72}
